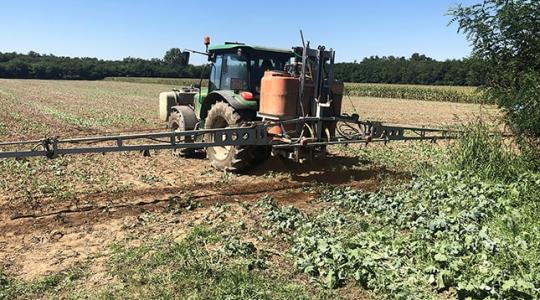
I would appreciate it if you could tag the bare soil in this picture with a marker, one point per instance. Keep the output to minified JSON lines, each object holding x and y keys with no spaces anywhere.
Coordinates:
{"x":54,"y":214}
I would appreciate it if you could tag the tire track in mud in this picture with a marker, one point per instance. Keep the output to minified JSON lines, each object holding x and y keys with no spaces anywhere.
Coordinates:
{"x":207,"y":198}
{"x":100,"y":207}
{"x":149,"y":200}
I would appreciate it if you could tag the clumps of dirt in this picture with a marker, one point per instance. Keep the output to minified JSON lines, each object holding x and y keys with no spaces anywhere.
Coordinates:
{"x":57,"y":234}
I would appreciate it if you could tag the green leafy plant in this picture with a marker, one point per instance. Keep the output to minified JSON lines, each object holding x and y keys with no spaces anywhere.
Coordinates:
{"x":450,"y":232}
{"x":177,"y":204}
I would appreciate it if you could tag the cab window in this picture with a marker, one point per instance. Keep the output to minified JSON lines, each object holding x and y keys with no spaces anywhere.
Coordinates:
{"x":215,"y":76}
{"x":234,"y":73}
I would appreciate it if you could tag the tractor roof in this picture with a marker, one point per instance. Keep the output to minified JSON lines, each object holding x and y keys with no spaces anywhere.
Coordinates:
{"x":229,"y":46}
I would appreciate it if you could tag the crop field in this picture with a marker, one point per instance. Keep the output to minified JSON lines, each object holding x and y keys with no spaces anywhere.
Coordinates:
{"x":460,"y":94}
{"x":406,"y":220}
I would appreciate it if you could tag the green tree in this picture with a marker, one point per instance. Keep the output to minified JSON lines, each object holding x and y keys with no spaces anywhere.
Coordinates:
{"x":174,"y":57}
{"x":505,"y":34}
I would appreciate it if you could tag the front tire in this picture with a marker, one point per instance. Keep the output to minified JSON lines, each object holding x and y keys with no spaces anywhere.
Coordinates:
{"x":228,"y":158}
{"x":183,"y":119}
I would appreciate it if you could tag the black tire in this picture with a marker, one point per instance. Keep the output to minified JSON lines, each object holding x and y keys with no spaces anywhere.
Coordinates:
{"x":228,"y":158}
{"x":177,"y":123}
{"x":261,"y":154}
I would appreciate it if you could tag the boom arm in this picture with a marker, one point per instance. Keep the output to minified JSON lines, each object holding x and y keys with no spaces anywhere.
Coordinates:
{"x":350,"y":130}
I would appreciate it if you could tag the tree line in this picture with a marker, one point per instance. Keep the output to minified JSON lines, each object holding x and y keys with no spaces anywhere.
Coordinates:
{"x":418,"y":69}
{"x":39,"y":66}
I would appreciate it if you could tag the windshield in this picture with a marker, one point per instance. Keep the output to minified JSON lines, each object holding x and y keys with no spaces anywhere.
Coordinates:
{"x":260,"y":65}
{"x":230,"y":72}
{"x":236,"y":72}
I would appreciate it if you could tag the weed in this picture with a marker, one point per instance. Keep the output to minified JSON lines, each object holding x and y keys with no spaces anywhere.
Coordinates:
{"x":3,"y":128}
{"x":149,"y":178}
{"x":218,"y":211}
{"x":246,"y":254}
{"x":165,"y":269}
{"x":446,"y":232}
{"x":481,"y":151}
{"x":177,"y":204}
{"x":226,"y":177}
{"x":48,"y":285}
{"x":281,"y":219}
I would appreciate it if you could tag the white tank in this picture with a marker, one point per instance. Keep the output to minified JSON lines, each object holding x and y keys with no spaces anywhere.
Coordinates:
{"x":172,"y":98}
{"x":166,"y":101}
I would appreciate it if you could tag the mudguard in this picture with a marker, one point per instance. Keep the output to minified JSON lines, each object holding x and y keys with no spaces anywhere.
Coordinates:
{"x":187,"y":114}
{"x":234,"y":99}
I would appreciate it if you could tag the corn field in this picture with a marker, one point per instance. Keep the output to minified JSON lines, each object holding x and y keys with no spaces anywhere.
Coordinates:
{"x":460,"y":94}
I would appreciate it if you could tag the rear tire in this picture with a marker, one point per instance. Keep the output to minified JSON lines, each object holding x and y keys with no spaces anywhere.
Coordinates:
{"x":261,"y":154}
{"x":228,"y":158}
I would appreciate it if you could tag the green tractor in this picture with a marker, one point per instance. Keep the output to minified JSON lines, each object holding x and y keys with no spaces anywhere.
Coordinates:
{"x":259,"y":101}
{"x":230,"y":100}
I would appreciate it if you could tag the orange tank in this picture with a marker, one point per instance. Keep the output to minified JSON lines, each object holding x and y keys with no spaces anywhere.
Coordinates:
{"x":279,"y":94}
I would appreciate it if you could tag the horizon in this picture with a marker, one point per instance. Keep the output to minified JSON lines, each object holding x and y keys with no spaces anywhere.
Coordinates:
{"x":161,"y":58}
{"x":139,"y":29}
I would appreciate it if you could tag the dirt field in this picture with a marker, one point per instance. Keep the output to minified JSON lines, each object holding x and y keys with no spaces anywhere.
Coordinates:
{"x":55,"y":214}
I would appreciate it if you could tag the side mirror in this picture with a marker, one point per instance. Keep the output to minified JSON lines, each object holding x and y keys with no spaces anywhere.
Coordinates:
{"x":185,"y":58}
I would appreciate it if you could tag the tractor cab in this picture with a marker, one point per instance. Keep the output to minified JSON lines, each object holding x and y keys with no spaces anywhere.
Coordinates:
{"x":238,"y":67}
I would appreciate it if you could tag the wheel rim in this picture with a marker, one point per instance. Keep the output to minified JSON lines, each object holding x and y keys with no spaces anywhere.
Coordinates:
{"x":176,"y":127}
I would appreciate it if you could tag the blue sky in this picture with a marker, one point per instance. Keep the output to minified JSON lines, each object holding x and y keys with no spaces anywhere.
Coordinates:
{"x":116,"y":29}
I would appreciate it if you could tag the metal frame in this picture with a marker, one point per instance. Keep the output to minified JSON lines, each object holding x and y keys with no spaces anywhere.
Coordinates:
{"x":254,"y":133}
{"x":322,"y":78}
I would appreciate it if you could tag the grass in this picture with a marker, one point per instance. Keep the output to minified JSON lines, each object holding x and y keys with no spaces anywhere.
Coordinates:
{"x":206,"y":264}
{"x":413,"y":158}
{"x":48,"y":285}
{"x":166,"y":269}
{"x":487,"y":154}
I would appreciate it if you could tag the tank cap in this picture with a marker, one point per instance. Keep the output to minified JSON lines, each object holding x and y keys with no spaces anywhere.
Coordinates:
{"x":277,"y":73}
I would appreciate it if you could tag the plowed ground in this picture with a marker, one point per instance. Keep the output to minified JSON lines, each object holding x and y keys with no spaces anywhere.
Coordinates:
{"x":57,"y":213}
